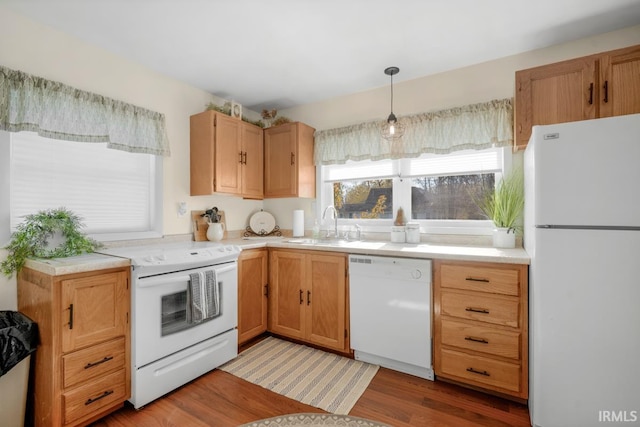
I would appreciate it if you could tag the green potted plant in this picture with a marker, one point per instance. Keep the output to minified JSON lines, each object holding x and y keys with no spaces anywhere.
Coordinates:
{"x":52,"y":233}
{"x":504,"y":207}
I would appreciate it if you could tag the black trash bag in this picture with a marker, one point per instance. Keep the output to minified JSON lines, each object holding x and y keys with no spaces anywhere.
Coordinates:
{"x":18,"y":339}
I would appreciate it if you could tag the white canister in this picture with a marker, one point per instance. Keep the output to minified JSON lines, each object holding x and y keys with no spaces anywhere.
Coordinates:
{"x":413,"y":232}
{"x":397,"y":234}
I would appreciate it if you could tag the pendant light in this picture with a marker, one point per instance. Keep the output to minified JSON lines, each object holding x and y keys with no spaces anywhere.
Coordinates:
{"x":392,"y":130}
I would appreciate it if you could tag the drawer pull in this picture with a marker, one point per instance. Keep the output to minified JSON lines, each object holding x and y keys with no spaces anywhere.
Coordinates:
{"x":70,"y":316}
{"x":475,"y":279}
{"x":477,"y":310}
{"x":474,"y":371}
{"x":100,"y":362}
{"x":479,"y":340}
{"x":95,"y":399}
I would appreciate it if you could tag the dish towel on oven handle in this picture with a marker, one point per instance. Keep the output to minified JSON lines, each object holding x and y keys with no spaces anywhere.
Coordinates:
{"x":203,"y":296}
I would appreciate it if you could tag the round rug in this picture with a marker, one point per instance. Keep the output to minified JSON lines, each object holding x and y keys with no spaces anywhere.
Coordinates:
{"x":314,"y":420}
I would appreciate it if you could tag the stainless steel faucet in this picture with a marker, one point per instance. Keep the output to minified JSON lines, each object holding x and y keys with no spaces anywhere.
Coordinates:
{"x":335,"y":219}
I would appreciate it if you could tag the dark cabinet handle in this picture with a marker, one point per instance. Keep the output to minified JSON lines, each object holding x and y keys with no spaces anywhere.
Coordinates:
{"x":606,"y":91}
{"x":293,"y":159}
{"x":475,"y":279}
{"x":100,"y":362}
{"x":244,"y":158}
{"x":475,"y":371}
{"x":266,"y":290}
{"x":477,"y":310}
{"x":95,"y":399}
{"x":301,"y":300}
{"x":240,"y":161}
{"x":479,"y":340}
{"x":591,"y":93}
{"x":70,"y":316}
{"x":308,"y":297}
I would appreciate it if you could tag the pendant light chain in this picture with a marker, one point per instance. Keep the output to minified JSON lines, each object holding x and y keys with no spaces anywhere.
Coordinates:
{"x":392,"y":130}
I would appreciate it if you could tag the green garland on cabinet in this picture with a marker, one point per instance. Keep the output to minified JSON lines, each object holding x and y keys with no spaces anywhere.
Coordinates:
{"x":31,"y":239}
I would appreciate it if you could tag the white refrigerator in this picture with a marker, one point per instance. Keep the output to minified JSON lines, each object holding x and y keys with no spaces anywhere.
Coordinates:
{"x":582,"y":232}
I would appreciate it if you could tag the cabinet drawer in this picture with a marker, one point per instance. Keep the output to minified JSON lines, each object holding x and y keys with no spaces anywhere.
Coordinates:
{"x":91,"y":398}
{"x":93,"y":361}
{"x":499,"y":311}
{"x":481,"y":370}
{"x":481,"y":338}
{"x":483,"y":279}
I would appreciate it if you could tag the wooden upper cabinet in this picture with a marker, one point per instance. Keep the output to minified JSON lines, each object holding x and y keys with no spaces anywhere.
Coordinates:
{"x":226,"y":156}
{"x":556,"y":93}
{"x":620,"y":90}
{"x":252,"y":161}
{"x":288,"y":158}
{"x":601,"y":85}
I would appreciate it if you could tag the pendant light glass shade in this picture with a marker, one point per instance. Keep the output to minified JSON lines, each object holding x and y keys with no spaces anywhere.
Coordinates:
{"x":392,"y":130}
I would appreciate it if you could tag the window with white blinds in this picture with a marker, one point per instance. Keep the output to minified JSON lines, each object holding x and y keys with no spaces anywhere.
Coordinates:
{"x":460,"y":163}
{"x":464,"y":162}
{"x":116,"y":193}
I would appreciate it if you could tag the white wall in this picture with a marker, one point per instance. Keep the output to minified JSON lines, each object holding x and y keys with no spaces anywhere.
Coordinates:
{"x":469,"y":85}
{"x":36,"y":49}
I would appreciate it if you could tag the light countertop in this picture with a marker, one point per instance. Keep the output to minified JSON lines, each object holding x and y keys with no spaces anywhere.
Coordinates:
{"x":94,"y":261}
{"x":76,"y":264}
{"x":422,"y":250}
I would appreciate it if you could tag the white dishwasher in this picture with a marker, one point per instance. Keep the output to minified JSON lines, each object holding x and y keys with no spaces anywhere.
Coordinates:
{"x":390,"y":306}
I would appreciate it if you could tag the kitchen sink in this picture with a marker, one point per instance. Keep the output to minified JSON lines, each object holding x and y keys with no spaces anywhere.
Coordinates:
{"x":321,"y":242}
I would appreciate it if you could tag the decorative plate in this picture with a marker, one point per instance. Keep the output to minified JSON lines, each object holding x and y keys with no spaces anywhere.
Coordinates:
{"x":262,"y":222}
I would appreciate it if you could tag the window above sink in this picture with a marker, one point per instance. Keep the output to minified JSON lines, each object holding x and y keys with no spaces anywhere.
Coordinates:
{"x":437,"y":191}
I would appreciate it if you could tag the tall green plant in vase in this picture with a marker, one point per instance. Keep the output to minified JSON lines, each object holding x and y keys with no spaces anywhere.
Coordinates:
{"x":504,"y":207}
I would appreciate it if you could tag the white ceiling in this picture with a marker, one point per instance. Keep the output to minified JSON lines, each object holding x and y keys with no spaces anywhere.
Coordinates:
{"x":283,"y":53}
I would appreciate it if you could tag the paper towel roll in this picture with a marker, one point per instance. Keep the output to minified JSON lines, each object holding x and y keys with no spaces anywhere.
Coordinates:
{"x":298,"y":223}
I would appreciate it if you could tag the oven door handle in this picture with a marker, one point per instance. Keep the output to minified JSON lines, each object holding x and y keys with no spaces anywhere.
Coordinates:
{"x":171,"y":278}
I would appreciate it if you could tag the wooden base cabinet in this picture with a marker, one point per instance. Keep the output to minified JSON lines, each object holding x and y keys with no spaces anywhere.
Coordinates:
{"x":253,"y":292}
{"x":308,"y":297}
{"x":82,"y":365}
{"x":601,"y":85}
{"x":481,"y":325}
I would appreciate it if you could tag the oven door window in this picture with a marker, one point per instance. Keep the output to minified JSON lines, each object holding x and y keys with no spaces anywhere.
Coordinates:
{"x":174,"y":313}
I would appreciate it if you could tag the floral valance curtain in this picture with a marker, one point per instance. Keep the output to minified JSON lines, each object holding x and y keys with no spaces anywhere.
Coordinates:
{"x":476,"y":126}
{"x":55,"y":110}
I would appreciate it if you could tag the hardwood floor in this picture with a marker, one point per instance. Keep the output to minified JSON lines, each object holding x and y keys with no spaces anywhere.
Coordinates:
{"x":219,"y":399}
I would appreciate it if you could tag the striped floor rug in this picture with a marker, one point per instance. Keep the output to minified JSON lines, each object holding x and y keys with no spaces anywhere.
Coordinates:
{"x":317,"y":378}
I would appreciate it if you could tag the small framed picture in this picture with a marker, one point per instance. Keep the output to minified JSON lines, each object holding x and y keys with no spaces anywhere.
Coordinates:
{"x":236,"y":110}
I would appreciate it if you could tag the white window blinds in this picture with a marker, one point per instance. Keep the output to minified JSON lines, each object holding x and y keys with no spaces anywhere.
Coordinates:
{"x":459,"y":163}
{"x":113,"y":191}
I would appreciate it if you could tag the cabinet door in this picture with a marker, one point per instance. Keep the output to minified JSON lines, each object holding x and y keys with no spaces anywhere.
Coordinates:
{"x":620,"y":82}
{"x":287,"y":278}
{"x":252,"y":294}
{"x":201,"y":145}
{"x":253,"y":162}
{"x":280,"y":159}
{"x":228,"y":155}
{"x":557,"y":93}
{"x":325,"y":300}
{"x":94,"y":309}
